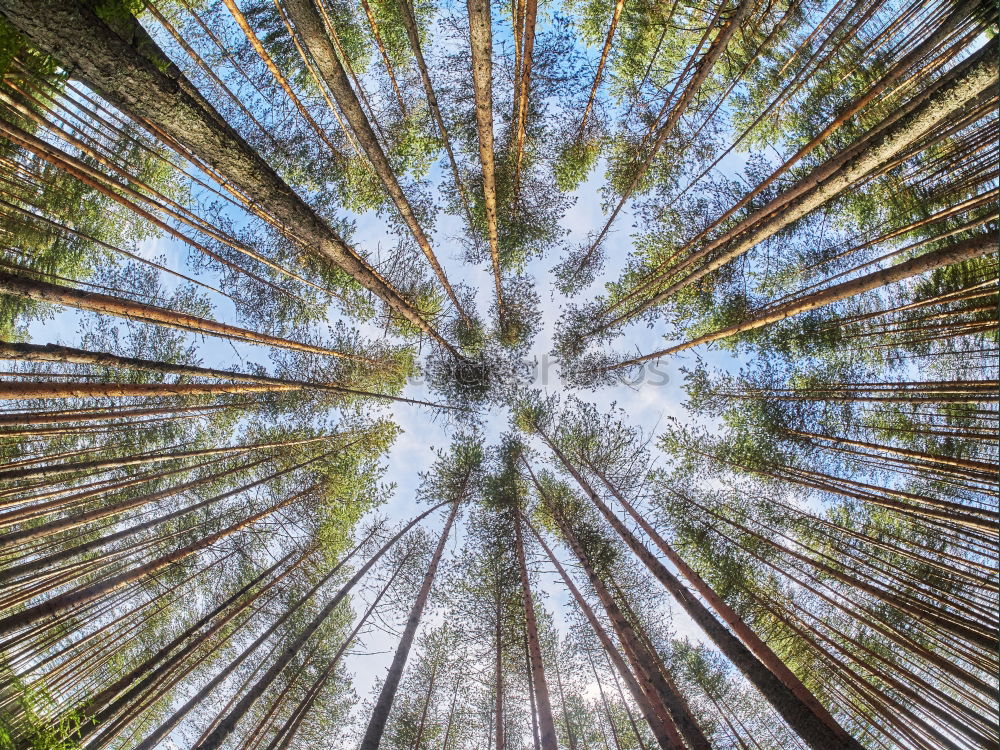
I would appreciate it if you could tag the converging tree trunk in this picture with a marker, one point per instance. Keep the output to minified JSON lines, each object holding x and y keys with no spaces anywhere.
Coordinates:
{"x":383,"y":704}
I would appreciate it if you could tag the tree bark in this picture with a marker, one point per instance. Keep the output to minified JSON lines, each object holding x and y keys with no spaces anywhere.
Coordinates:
{"x":86,"y":594}
{"x":58,"y":353}
{"x":974,"y":247}
{"x":547,"y":735}
{"x":811,"y":725}
{"x":665,"y":733}
{"x":481,"y":48}
{"x":958,"y":88}
{"x":383,"y":705}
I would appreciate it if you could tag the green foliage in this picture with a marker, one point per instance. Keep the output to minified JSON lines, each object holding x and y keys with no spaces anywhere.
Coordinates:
{"x":574,"y":162}
{"x":34,"y":729}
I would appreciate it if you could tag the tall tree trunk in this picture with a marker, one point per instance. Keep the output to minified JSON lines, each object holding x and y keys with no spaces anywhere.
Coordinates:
{"x":153,"y":739}
{"x":17,"y":391}
{"x":646,"y":661}
{"x":92,"y":415}
{"x":309,"y":24}
{"x":946,"y":97}
{"x":413,"y":34}
{"x":605,"y":51}
{"x":228,"y":724}
{"x":665,"y":733}
{"x":813,"y":726}
{"x":498,"y":712}
{"x":42,"y":291}
{"x":974,"y":247}
{"x":148,"y":458}
{"x":71,"y":355}
{"x":74,"y":34}
{"x":481,"y":48}
{"x":383,"y":705}
{"x":522,"y":89}
{"x":547,"y":727}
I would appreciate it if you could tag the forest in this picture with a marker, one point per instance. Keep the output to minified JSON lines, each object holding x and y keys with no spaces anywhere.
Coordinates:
{"x":511,"y":375}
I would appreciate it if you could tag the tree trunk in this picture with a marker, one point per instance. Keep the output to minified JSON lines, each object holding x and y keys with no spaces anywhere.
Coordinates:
{"x":68,"y":354}
{"x":974,"y":247}
{"x":228,"y":724}
{"x":41,"y":389}
{"x":901,"y":130}
{"x":811,"y":725}
{"x":383,"y":705}
{"x":615,"y":15}
{"x":117,"y":463}
{"x":309,"y":24}
{"x":84,"y":43}
{"x":42,"y":291}
{"x":91,"y":415}
{"x":85,"y":594}
{"x":547,"y":736}
{"x":665,"y":733}
{"x":757,"y":647}
{"x":413,"y":34}
{"x":481,"y":48}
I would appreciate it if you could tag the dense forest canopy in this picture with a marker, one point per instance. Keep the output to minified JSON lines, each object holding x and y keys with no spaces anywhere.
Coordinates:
{"x":584,"y":374}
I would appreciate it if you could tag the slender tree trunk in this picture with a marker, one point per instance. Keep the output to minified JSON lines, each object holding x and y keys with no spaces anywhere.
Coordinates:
{"x":757,"y":647}
{"x":85,"y":594}
{"x":92,"y":415}
{"x":21,"y":390}
{"x":309,"y":24}
{"x":974,"y":247}
{"x":152,"y":676}
{"x":605,"y":51}
{"x":383,"y":705}
{"x":71,"y":355}
{"x":228,"y":724}
{"x":900,"y":131}
{"x":148,"y":458}
{"x":42,"y":291}
{"x":481,"y":48}
{"x":419,"y":739}
{"x":547,"y":736}
{"x":665,"y":733}
{"x":498,"y":678}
